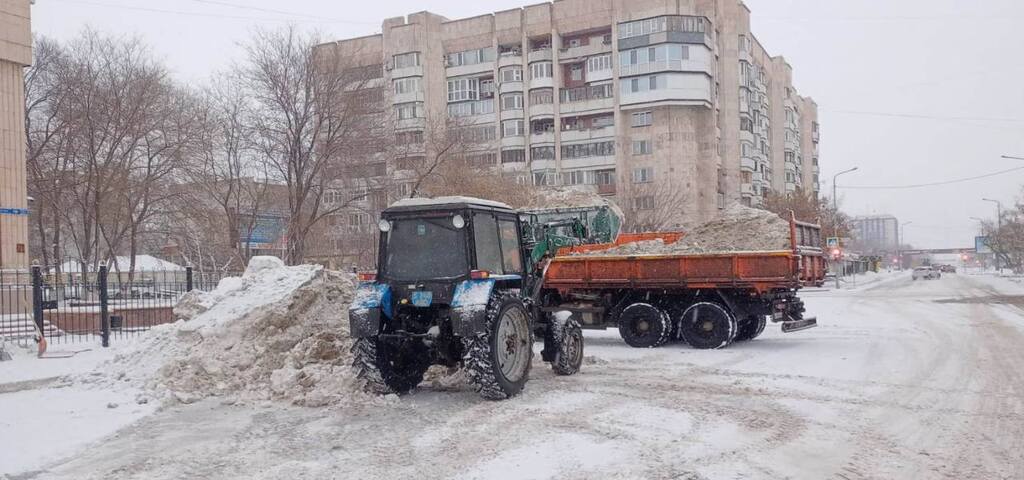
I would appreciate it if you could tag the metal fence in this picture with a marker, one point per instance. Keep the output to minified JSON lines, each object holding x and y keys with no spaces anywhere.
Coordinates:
{"x":102,"y":305}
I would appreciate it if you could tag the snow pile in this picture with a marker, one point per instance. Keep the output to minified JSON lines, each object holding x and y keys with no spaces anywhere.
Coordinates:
{"x":276,"y":333}
{"x":562,"y":197}
{"x":737,"y":229}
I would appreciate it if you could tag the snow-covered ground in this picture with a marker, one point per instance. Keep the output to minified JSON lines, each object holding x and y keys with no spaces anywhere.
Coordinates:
{"x":902,"y":379}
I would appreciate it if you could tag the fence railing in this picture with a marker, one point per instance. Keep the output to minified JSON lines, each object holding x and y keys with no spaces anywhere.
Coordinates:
{"x":104,"y":304}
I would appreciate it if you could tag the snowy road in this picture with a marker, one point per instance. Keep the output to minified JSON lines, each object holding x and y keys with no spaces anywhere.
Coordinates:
{"x":903,"y":379}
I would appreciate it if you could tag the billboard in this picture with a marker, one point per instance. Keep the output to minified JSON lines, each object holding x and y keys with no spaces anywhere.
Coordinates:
{"x":981,"y":245}
{"x":268,"y":231}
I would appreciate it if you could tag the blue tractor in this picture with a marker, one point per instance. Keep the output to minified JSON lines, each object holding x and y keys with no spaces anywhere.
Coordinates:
{"x":457,"y":284}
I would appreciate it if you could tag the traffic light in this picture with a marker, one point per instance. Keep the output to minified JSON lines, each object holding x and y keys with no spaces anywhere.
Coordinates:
{"x":837,"y":253}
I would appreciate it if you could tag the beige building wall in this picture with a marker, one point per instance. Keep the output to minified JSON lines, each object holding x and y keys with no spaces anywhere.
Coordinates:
{"x":15,"y":54}
{"x":696,"y":137}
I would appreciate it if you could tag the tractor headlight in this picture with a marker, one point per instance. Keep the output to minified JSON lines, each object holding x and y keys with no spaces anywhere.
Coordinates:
{"x":458,"y":222}
{"x":384,"y":225}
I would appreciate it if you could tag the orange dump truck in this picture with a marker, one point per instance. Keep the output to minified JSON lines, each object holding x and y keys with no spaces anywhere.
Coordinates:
{"x":708,"y":300}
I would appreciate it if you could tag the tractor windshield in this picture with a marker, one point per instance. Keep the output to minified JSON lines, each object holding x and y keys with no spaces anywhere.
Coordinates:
{"x":425,"y":248}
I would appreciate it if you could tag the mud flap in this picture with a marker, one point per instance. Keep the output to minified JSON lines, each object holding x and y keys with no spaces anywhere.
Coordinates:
{"x":797,"y":325}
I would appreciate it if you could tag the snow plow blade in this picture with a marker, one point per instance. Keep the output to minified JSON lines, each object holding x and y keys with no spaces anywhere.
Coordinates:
{"x":797,"y":325}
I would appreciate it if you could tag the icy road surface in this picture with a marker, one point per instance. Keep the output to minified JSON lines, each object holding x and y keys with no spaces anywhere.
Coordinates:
{"x":902,"y":380}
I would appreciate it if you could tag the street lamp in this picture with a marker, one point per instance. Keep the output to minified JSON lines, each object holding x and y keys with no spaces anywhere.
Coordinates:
{"x":1010,"y":157}
{"x":835,"y":210}
{"x":899,"y":244}
{"x":999,"y":222}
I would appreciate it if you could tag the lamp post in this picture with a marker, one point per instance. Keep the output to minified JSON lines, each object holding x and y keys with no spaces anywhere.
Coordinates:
{"x":835,"y":210}
{"x":899,"y":244}
{"x":1010,"y":157}
{"x":999,"y":223}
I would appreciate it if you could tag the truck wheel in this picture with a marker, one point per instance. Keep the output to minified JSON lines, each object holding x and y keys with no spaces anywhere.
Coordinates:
{"x":643,"y":325}
{"x":750,"y":328}
{"x":707,"y":325}
{"x":390,"y":367}
{"x":498,"y":360}
{"x":568,"y":342}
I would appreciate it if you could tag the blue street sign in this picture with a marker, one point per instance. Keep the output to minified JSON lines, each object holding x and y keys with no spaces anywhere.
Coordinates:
{"x":14,"y":211}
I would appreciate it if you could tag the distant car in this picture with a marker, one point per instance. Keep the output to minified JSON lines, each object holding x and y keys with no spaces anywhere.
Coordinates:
{"x":947,"y":269}
{"x":927,"y":273}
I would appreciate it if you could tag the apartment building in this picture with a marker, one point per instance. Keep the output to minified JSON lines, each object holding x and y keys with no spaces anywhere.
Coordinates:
{"x":15,"y":54}
{"x":876,"y":234}
{"x":629,"y":98}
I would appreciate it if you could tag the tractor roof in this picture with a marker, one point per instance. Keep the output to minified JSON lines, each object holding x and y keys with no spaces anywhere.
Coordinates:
{"x":445,"y":203}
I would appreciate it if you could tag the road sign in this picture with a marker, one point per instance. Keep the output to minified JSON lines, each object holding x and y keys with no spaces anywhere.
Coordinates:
{"x":14,"y":211}
{"x":832,"y":242}
{"x":981,"y":245}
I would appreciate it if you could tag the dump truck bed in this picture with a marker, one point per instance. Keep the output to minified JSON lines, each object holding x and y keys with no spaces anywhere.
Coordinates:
{"x":762,"y":271}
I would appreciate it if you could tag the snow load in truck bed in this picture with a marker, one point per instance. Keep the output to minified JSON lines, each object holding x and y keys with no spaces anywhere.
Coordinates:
{"x":737,"y":229}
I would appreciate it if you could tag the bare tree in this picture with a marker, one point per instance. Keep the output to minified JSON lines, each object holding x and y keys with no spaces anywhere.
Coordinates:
{"x":308,"y":115}
{"x":808,"y":207}
{"x":652,"y":206}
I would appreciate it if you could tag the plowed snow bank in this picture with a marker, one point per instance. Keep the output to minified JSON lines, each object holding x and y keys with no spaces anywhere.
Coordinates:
{"x":276,"y":333}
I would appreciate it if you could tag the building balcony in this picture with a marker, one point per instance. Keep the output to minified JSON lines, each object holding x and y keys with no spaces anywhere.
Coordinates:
{"x":462,"y":70}
{"x":411,"y":124}
{"x":703,"y":66}
{"x":510,"y":59}
{"x":588,"y":162}
{"x":606,"y":189}
{"x":590,"y":134}
{"x":599,"y":75}
{"x":506,"y":87}
{"x":589,"y":105}
{"x":541,"y":165}
{"x":748,"y":137}
{"x":573,"y":54}
{"x":542,"y":110}
{"x":408,"y":97}
{"x":513,"y":142}
{"x":416,"y":71}
{"x":790,"y":187}
{"x":791,"y":145}
{"x":748,"y":164}
{"x":815,"y":136}
{"x":747,"y":189}
{"x":540,"y":55}
{"x":745,"y":56}
{"x":514,"y":114}
{"x":542,"y":82}
{"x":791,"y":166}
{"x":538,"y":138}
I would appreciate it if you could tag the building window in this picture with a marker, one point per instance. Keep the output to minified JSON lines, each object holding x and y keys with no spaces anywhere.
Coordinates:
{"x":542,"y":96}
{"x":541,"y":70}
{"x":482,"y":160}
{"x":584,"y":150}
{"x":589,"y":92}
{"x":513,"y":156}
{"x":599,"y":63}
{"x":643,"y":175}
{"x":576,"y":73}
{"x":410,"y":110}
{"x":542,"y":153}
{"x":406,"y":60}
{"x":643,"y":203}
{"x":643,"y":84}
{"x":641,"y":147}
{"x":643,"y":119}
{"x":468,"y":109}
{"x":409,"y":138}
{"x":578,"y":177}
{"x":478,"y":134}
{"x":510,"y":74}
{"x":462,"y":89}
{"x":470,"y":57}
{"x":602,"y":121}
{"x":407,"y":85}
{"x":672,"y":52}
{"x":670,"y":23}
{"x":512,"y":128}
{"x":511,"y":101}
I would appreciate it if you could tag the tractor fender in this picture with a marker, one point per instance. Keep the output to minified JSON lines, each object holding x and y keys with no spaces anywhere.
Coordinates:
{"x":469,"y":306}
{"x":371,"y":301}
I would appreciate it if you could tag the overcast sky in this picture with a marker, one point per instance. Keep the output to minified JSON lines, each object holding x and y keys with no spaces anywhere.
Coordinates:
{"x":910,"y":91}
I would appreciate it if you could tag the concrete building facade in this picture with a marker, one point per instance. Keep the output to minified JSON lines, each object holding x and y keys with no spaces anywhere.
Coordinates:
{"x":876,"y":234}
{"x":626,"y":97}
{"x":15,"y":55}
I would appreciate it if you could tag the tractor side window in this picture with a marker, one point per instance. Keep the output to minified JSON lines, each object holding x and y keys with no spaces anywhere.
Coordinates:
{"x":485,"y":236}
{"x":511,"y":260}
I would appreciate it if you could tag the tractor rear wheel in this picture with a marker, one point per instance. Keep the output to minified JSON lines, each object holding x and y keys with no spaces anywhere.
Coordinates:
{"x":750,"y":328}
{"x":567,"y":338}
{"x":498,"y":359}
{"x":390,"y":366}
{"x":643,"y":325}
{"x":707,"y":325}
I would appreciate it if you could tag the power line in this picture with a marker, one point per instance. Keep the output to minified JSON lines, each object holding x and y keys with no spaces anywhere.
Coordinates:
{"x":926,"y":117}
{"x":281,"y":12}
{"x":195,"y":14}
{"x":934,"y":184}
